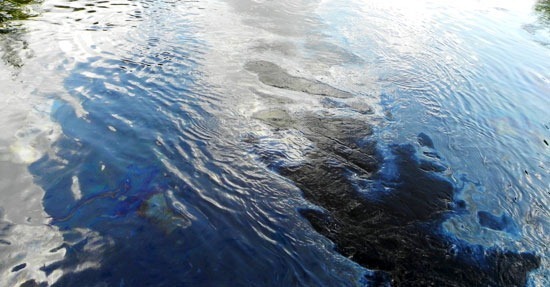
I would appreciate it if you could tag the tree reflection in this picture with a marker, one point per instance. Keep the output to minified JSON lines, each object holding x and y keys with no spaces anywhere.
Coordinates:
{"x":543,"y":9}
{"x":14,"y":10}
{"x":12,"y":40}
{"x":13,"y":46}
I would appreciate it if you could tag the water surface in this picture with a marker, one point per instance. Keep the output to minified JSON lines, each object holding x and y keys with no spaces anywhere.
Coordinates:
{"x":288,"y":143}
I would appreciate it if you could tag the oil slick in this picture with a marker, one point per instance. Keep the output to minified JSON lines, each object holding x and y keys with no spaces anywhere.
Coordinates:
{"x":391,"y":225}
{"x":273,"y":75}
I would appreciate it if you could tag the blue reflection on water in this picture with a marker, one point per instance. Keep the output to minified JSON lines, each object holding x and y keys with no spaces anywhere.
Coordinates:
{"x":122,"y":186}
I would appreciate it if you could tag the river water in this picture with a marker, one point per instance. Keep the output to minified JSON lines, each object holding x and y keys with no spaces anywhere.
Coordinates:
{"x":275,"y":143}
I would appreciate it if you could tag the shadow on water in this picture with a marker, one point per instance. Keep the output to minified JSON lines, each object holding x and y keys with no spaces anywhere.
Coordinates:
{"x":393,"y":224}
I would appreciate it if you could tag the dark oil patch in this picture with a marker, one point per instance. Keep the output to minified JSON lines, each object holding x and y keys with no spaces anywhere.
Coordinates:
{"x":500,"y":223}
{"x":398,"y":234}
{"x":19,"y":267}
{"x":33,"y":283}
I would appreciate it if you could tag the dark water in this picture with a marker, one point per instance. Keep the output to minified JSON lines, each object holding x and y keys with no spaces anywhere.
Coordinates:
{"x":295,"y":143}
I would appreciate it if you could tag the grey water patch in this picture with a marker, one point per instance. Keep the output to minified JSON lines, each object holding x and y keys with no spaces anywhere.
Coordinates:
{"x":355,"y":106}
{"x":285,"y":48}
{"x":331,"y":53}
{"x":275,"y":117}
{"x":273,"y":100}
{"x":272,"y":75}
